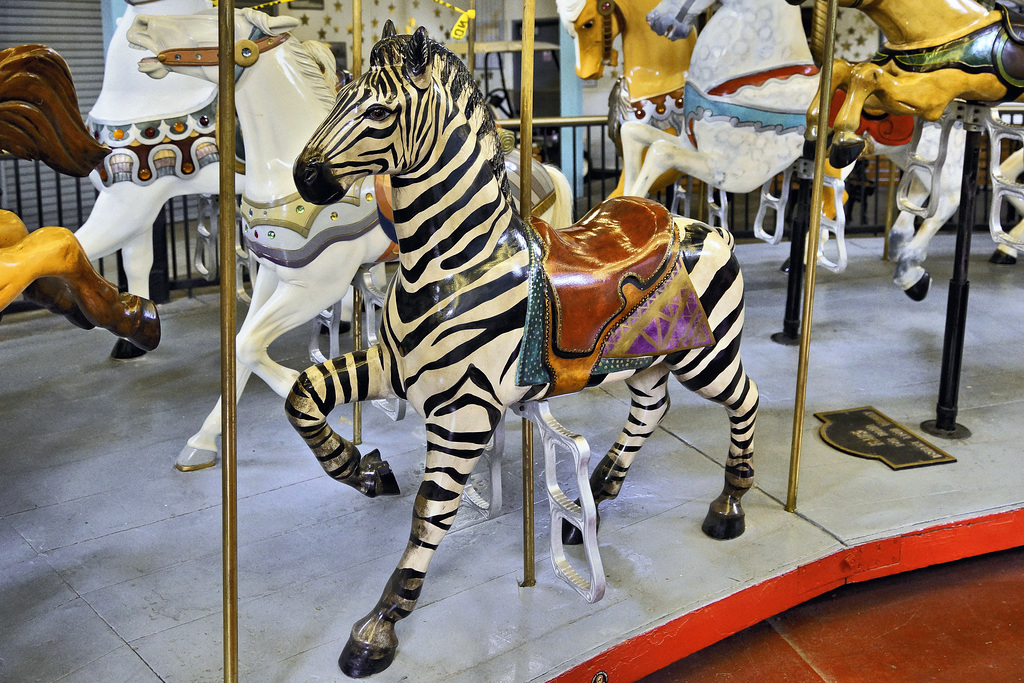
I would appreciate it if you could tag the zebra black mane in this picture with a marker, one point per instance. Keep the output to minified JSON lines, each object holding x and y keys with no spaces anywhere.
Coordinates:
{"x":396,"y":51}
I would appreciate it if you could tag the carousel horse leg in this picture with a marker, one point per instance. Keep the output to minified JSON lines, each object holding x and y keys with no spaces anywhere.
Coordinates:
{"x":790,"y":334}
{"x":55,"y":295}
{"x":641,"y":167}
{"x":910,"y":247}
{"x":123,"y":215}
{"x":137,"y":259}
{"x":648,"y":404}
{"x":200,"y":451}
{"x":55,"y":252}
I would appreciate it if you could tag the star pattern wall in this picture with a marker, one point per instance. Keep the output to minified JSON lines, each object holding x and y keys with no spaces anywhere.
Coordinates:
{"x":334,"y":23}
{"x":857,"y":37}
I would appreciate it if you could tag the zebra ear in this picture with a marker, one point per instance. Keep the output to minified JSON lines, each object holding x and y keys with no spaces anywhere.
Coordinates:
{"x":418,"y":63}
{"x":389,"y":30}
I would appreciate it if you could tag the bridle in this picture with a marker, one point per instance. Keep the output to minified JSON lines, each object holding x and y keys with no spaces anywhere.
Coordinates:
{"x":246,"y":52}
{"x":606,"y":8}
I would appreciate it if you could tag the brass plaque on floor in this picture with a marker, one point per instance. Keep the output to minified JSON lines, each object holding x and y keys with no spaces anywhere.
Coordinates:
{"x":867,"y":433}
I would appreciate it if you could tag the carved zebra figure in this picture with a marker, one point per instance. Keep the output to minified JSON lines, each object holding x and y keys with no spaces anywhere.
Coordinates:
{"x":486,"y":311}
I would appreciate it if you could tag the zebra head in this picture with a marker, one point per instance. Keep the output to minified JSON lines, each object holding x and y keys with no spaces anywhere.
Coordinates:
{"x":395,"y":118}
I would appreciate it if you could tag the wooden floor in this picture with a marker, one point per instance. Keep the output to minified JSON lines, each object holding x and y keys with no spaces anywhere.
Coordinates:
{"x":960,"y":621}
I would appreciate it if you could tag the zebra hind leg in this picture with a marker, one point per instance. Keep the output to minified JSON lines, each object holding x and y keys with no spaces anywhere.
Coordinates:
{"x":647,"y":405}
{"x":315,"y":393}
{"x":724,"y":381}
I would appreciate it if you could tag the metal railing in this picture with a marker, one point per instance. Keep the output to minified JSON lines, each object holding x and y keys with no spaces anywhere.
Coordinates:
{"x":581,"y":144}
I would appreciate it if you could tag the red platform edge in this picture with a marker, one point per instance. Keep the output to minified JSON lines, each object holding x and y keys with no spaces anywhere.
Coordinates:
{"x":655,"y":649}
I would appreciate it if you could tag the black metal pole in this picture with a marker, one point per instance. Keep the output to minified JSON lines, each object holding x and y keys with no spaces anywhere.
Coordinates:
{"x":944,"y":424}
{"x":790,"y":335}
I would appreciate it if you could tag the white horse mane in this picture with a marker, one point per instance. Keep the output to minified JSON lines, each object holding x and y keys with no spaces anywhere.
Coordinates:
{"x":314,"y":58}
{"x":569,"y":10}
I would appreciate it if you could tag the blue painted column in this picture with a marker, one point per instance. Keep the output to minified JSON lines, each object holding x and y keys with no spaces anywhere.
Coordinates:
{"x":112,"y":11}
{"x":572,"y":105}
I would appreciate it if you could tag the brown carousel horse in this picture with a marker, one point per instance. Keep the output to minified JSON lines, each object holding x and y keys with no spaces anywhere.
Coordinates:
{"x":936,"y":51}
{"x":39,"y":119}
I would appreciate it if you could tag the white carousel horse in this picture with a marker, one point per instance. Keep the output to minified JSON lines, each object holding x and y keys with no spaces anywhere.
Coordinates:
{"x":162,"y":137}
{"x":307,"y":255}
{"x":742,"y":124}
{"x":743,"y":120}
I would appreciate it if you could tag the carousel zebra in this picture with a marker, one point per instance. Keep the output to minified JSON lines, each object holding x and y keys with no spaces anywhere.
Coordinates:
{"x":486,"y":311}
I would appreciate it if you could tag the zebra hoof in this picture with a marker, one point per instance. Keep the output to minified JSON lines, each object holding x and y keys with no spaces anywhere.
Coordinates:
{"x":376,"y":477}
{"x":919,"y":290}
{"x":1001,"y":258}
{"x":571,"y":534}
{"x":725,"y":518}
{"x":359,"y":660}
{"x":125,"y":350}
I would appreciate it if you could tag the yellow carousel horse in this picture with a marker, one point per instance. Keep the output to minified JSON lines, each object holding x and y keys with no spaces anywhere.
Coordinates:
{"x":654,"y":66}
{"x":39,"y":119}
{"x":936,"y":51}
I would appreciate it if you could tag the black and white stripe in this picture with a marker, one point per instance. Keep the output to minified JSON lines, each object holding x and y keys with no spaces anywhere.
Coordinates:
{"x":453,"y":323}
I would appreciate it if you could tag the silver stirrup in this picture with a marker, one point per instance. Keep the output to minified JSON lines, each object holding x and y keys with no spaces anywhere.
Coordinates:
{"x":1004,"y":188}
{"x":583,"y":516}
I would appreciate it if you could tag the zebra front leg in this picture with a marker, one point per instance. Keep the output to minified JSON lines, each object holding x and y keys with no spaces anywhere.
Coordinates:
{"x":648,"y":403}
{"x":357,"y":376}
{"x":455,"y":442}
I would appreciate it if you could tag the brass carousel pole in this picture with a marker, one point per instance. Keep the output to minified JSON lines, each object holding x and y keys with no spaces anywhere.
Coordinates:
{"x":226,"y":224}
{"x":824,"y":100}
{"x":471,"y":37}
{"x":525,"y":210}
{"x":357,"y":38}
{"x":357,"y":294}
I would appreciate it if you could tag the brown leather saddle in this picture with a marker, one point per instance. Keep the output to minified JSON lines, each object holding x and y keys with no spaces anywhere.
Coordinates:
{"x":600,"y":272}
{"x":623,"y":239}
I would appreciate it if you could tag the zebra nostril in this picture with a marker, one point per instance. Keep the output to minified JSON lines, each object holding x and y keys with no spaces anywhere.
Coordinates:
{"x":311,"y":171}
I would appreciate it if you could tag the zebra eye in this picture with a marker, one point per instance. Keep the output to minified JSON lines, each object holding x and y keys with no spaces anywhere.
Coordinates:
{"x":378,"y":112}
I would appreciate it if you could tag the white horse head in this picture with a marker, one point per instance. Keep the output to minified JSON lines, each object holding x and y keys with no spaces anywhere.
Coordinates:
{"x":189,"y":36}
{"x":129,"y":96}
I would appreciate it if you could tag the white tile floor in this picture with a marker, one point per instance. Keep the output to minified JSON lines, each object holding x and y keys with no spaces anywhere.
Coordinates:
{"x":110,"y":566}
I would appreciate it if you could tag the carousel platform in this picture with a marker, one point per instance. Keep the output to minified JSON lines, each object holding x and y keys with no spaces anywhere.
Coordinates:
{"x":110,"y":559}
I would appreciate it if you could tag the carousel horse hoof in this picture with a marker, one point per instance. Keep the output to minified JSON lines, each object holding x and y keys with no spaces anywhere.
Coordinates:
{"x":125,"y":350}
{"x":359,"y":660}
{"x":844,"y":152}
{"x":785,"y":266}
{"x":919,"y":290}
{"x":191,"y":459}
{"x":1001,"y":258}
{"x":571,"y":534}
{"x":376,"y":477}
{"x":146,"y":334}
{"x":725,"y":519}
